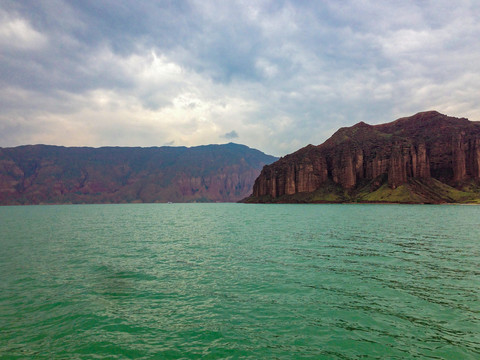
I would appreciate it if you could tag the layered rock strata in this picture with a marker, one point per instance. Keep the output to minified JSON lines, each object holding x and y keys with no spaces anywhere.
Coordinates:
{"x":424,"y":146}
{"x":37,"y":174}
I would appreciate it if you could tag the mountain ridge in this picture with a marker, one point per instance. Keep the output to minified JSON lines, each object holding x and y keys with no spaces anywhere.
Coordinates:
{"x":424,"y":158}
{"x":38,"y":174}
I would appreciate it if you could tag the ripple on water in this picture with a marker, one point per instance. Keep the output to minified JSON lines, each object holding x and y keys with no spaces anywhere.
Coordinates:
{"x":240,"y":281}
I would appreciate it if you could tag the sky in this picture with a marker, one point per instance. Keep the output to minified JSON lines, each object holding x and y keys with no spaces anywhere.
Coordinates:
{"x":273,"y":75}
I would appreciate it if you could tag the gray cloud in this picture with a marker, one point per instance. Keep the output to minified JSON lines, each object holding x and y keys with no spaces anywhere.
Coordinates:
{"x":282,"y":73}
{"x":230,"y":135}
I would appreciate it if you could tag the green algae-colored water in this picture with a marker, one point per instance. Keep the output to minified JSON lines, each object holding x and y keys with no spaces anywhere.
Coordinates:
{"x":214,"y":281}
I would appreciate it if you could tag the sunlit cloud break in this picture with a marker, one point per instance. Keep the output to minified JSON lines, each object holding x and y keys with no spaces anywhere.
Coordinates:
{"x":282,"y":74}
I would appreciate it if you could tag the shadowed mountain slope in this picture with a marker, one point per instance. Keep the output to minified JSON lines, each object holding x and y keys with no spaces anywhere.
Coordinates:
{"x":37,"y":174}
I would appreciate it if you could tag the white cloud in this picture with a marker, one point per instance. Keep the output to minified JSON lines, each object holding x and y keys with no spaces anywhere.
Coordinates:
{"x":17,"y":33}
{"x":282,"y":74}
{"x":197,"y":111}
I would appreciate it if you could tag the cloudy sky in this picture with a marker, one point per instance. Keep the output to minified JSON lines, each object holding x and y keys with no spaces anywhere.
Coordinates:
{"x":273,"y":75}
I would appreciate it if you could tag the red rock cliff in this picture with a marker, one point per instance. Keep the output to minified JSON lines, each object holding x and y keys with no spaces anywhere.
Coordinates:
{"x":426,"y":145}
{"x":38,"y":174}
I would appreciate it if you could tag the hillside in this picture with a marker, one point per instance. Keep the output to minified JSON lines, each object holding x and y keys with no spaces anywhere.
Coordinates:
{"x":426,"y":158}
{"x":37,"y":174}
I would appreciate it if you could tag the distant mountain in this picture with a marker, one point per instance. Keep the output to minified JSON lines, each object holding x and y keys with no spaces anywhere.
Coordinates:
{"x":425,"y":158}
{"x":37,"y":174}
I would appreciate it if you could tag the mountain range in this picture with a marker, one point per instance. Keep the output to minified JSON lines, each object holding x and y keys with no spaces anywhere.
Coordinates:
{"x":44,"y":174}
{"x":425,"y":158}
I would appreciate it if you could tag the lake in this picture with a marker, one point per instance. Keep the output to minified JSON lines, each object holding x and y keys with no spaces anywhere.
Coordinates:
{"x":238,"y":281}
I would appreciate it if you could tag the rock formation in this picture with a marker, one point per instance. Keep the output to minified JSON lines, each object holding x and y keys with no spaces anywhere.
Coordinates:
{"x":37,"y":174}
{"x":428,"y":157}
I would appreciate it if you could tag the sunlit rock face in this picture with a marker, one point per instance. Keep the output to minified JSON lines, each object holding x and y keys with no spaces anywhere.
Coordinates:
{"x":425,"y":146}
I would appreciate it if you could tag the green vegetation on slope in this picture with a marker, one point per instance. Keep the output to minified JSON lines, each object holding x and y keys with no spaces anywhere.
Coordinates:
{"x":384,"y":193}
{"x":419,"y":191}
{"x":416,"y":191}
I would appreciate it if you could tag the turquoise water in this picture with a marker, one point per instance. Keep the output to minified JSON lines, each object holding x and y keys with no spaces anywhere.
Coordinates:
{"x":187,"y":281}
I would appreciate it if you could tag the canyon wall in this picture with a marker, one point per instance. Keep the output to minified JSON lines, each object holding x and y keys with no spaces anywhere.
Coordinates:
{"x":426,"y":145}
{"x":38,"y":174}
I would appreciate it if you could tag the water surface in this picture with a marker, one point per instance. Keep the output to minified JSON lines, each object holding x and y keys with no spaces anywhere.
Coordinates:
{"x":212,"y":281}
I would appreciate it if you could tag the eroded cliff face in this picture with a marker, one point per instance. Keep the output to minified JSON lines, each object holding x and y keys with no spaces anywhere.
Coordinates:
{"x":50,"y":174}
{"x":424,"y":146}
{"x":287,"y":177}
